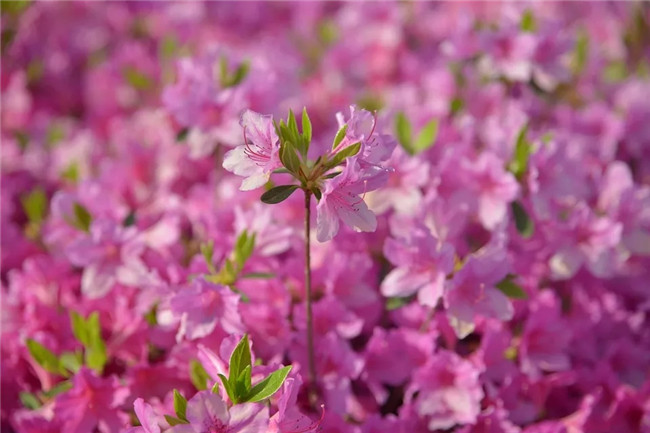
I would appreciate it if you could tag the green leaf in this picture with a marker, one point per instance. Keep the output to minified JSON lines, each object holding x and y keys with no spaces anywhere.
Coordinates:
{"x":340,"y":156}
{"x":78,"y":324}
{"x":456,"y":105}
{"x":228,"y":388}
{"x":57,"y":389}
{"x":278,"y":194}
{"x":519,"y":163}
{"x":259,"y":275}
{"x":215,"y":388}
{"x":395,"y":303}
{"x":528,"y":22}
{"x":29,"y":400}
{"x":306,"y":126}
{"x":172,"y":420}
{"x":180,"y":405}
{"x":207,"y":250}
{"x":82,"y":217}
{"x":45,"y":357}
{"x":426,"y":137}
{"x":523,"y":222}
{"x":510,"y":288}
{"x":242,"y":385}
{"x":182,"y":134}
{"x":289,"y":157}
{"x":340,"y":135}
{"x":244,"y":247}
{"x":71,"y":361}
{"x":71,"y":173}
{"x":404,"y":132}
{"x":317,"y":193}
{"x":239,"y":359}
{"x":580,"y":52}
{"x":35,"y":205}
{"x":268,"y":386}
{"x":240,"y":73}
{"x":129,"y":220}
{"x":198,"y":375}
{"x":137,"y":79}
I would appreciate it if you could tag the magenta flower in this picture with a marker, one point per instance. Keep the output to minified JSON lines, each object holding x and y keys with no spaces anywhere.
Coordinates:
{"x":494,"y":186}
{"x":288,"y":419}
{"x":449,"y":391}
{"x":423,"y":263}
{"x":202,"y":306}
{"x":147,"y":418}
{"x":342,"y":199}
{"x":93,"y":402}
{"x":208,"y":413}
{"x":472,"y":292}
{"x":362,"y":127}
{"x":259,"y":155}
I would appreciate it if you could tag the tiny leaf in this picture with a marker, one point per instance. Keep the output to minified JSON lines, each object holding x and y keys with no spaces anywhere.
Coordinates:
{"x":404,"y":132}
{"x":395,"y":303}
{"x":523,"y":222}
{"x":57,"y":389}
{"x":259,"y":275}
{"x":306,"y":126}
{"x":29,"y":400}
{"x":82,"y":217}
{"x":268,"y":386}
{"x":172,"y":420}
{"x":228,"y":388}
{"x":426,"y":137}
{"x":278,"y":194}
{"x":35,"y":205}
{"x":180,"y":405}
{"x":340,"y":135}
{"x":347,"y":152}
{"x":240,"y":359}
{"x":519,"y":163}
{"x":198,"y":375}
{"x":45,"y":357}
{"x":511,"y":289}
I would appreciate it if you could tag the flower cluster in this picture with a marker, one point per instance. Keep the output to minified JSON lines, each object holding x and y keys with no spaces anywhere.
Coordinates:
{"x":477,"y":176}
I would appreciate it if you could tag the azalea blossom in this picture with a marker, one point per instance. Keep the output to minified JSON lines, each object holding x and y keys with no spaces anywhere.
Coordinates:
{"x":259,"y":155}
{"x":207,"y":412}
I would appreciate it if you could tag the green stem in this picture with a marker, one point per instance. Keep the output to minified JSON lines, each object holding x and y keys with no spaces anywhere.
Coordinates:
{"x":313,"y":395}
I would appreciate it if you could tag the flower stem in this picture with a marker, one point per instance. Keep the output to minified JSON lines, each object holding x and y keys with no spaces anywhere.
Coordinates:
{"x":313,"y":394}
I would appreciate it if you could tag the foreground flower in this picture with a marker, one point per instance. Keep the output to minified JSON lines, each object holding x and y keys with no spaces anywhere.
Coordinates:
{"x":259,"y":155}
{"x":208,"y":413}
{"x":342,"y":199}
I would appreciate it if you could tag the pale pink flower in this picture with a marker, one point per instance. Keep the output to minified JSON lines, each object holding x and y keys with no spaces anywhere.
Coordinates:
{"x":259,"y":155}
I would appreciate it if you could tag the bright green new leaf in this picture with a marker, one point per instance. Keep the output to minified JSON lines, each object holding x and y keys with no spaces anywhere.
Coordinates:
{"x":528,"y":22}
{"x":259,"y":275}
{"x":289,"y":157}
{"x":278,"y":194}
{"x":180,"y":405}
{"x":45,"y":357}
{"x":268,"y":386}
{"x":347,"y":152}
{"x":306,"y":126}
{"x":228,"y":388}
{"x":240,"y":359}
{"x":519,"y":163}
{"x":404,"y":131}
{"x":511,"y":289}
{"x":57,"y":389}
{"x":340,"y":135}
{"x":426,"y":137}
{"x":172,"y":420}
{"x":35,"y":205}
{"x":198,"y":375}
{"x":71,"y":361}
{"x":29,"y":400}
{"x":82,"y":217}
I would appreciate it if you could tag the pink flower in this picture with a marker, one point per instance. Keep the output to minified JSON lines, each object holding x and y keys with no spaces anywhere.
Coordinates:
{"x":494,"y":187}
{"x":423,"y":263}
{"x":341,"y":200}
{"x":361,"y":127}
{"x":93,"y":402}
{"x":449,"y":392}
{"x":288,"y":419}
{"x":207,"y":412}
{"x":147,"y":418}
{"x":259,"y":156}
{"x":202,"y":305}
{"x":472,"y":292}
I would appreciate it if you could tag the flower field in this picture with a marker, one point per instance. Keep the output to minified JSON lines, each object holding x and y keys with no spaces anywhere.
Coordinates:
{"x":336,"y":217}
